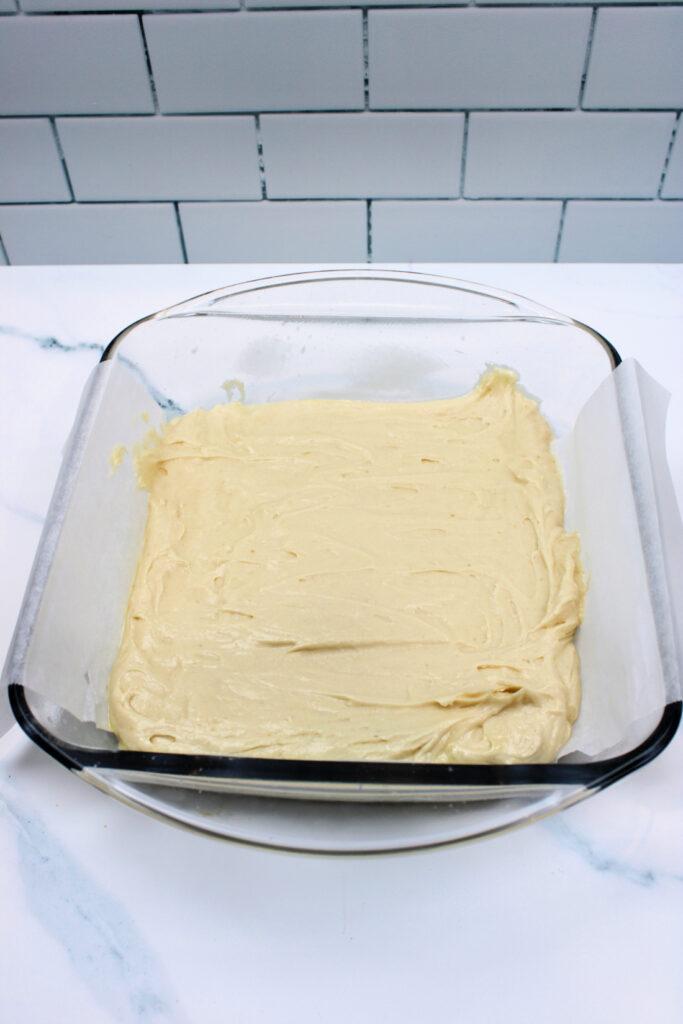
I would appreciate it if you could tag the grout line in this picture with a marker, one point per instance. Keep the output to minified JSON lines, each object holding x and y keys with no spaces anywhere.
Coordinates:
{"x":413,"y":111}
{"x":589,"y":49}
{"x":292,"y":5}
{"x":368,"y":226}
{"x":459,"y":5}
{"x":4,"y":252}
{"x":142,"y":9}
{"x":179,"y":225}
{"x":473,"y":200}
{"x":560,"y":229}
{"x":463,"y":158}
{"x":366,"y":61}
{"x":414,"y":5}
{"x":667,"y":158}
{"x":261,"y":160}
{"x":60,"y":151}
{"x":148,"y":61}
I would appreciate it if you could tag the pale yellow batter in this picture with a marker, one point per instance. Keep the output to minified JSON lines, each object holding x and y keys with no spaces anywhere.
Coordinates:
{"x":354,"y":580}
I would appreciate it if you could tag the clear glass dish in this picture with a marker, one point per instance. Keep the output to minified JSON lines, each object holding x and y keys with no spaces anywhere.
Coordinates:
{"x":370,"y":334}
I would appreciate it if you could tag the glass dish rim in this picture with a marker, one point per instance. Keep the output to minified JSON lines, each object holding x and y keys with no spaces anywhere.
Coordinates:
{"x":592,"y":775}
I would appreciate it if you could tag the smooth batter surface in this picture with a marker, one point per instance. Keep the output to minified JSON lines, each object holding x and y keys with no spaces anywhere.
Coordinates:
{"x":354,"y":580}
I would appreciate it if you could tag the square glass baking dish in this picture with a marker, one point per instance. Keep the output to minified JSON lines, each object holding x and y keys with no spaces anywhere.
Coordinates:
{"x":371,"y":334}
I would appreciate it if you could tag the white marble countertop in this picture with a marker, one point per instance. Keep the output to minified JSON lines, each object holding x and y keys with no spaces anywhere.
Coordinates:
{"x":111,"y":916}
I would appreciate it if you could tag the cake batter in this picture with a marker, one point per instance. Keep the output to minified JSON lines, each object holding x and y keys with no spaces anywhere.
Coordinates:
{"x":354,"y":580}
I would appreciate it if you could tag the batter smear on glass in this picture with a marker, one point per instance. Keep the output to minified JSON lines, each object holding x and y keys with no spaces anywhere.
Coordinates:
{"x":354,"y":580}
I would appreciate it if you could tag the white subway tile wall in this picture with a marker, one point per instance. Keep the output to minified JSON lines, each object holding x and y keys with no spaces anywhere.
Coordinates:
{"x":30,"y":165}
{"x":592,"y":155}
{"x":477,"y":58}
{"x":637,"y":59}
{"x":220,"y":232}
{"x":673,"y":183}
{"x":283,"y":61}
{"x":85,"y":64}
{"x":93,"y":233}
{"x":356,"y":155}
{"x":163,"y":158}
{"x":603,"y":232}
{"x":462,"y":230}
{"x":210,"y":130}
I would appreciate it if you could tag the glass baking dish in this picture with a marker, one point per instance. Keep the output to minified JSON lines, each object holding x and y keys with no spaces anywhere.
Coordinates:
{"x":371,"y":334}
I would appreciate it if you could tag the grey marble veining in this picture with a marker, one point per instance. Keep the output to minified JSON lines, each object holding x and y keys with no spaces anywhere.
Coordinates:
{"x":105,"y":948}
{"x":23,"y":513}
{"x":50,"y":343}
{"x":607,"y":861}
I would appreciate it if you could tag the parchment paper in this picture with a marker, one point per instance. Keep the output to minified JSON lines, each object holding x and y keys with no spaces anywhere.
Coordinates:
{"x":619,"y":498}
{"x":102,"y":513}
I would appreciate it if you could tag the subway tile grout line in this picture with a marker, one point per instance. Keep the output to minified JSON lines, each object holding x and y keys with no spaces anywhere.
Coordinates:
{"x":148,"y":62}
{"x":181,"y":233}
{"x":368,"y":229}
{"x":667,"y":158}
{"x":366,"y":61}
{"x":463,"y":156}
{"x":60,"y":151}
{"x":589,"y":49}
{"x":560,"y":229}
{"x":474,"y":200}
{"x":457,"y":5}
{"x":332,"y":111}
{"x":260,"y":157}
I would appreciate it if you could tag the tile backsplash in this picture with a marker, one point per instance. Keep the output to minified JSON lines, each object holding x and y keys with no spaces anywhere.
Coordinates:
{"x":213,"y":130}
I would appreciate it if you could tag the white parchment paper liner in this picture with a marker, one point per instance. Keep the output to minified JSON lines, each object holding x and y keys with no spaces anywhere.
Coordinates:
{"x":619,"y":498}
